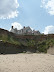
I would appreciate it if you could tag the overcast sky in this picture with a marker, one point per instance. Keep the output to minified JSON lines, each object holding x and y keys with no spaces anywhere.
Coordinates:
{"x":38,"y":14}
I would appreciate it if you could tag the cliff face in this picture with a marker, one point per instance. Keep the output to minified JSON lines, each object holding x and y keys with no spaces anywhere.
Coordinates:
{"x":11,"y":43}
{"x":8,"y":48}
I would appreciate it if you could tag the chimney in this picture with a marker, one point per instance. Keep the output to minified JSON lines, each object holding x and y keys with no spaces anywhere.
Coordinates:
{"x":24,"y":27}
{"x":12,"y":27}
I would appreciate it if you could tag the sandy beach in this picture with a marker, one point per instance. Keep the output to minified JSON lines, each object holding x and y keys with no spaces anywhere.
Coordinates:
{"x":27,"y":63}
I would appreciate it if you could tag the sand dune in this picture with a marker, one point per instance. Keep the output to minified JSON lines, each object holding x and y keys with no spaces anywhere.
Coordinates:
{"x":27,"y":63}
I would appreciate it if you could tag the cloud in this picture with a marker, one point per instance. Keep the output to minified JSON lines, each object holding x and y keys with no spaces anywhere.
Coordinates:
{"x":31,"y":28}
{"x":48,"y":5}
{"x":8,"y":9}
{"x":49,"y":30}
{"x":17,"y":25}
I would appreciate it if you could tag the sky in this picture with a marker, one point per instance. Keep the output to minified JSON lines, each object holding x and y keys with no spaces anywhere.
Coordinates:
{"x":38,"y":14}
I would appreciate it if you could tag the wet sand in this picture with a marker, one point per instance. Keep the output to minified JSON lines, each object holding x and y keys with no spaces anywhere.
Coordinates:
{"x":27,"y":63}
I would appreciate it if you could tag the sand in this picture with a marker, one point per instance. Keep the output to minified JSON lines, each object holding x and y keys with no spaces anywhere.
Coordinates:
{"x":27,"y":63}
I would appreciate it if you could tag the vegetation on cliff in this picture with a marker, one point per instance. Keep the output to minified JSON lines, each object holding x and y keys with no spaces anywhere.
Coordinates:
{"x":38,"y":43}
